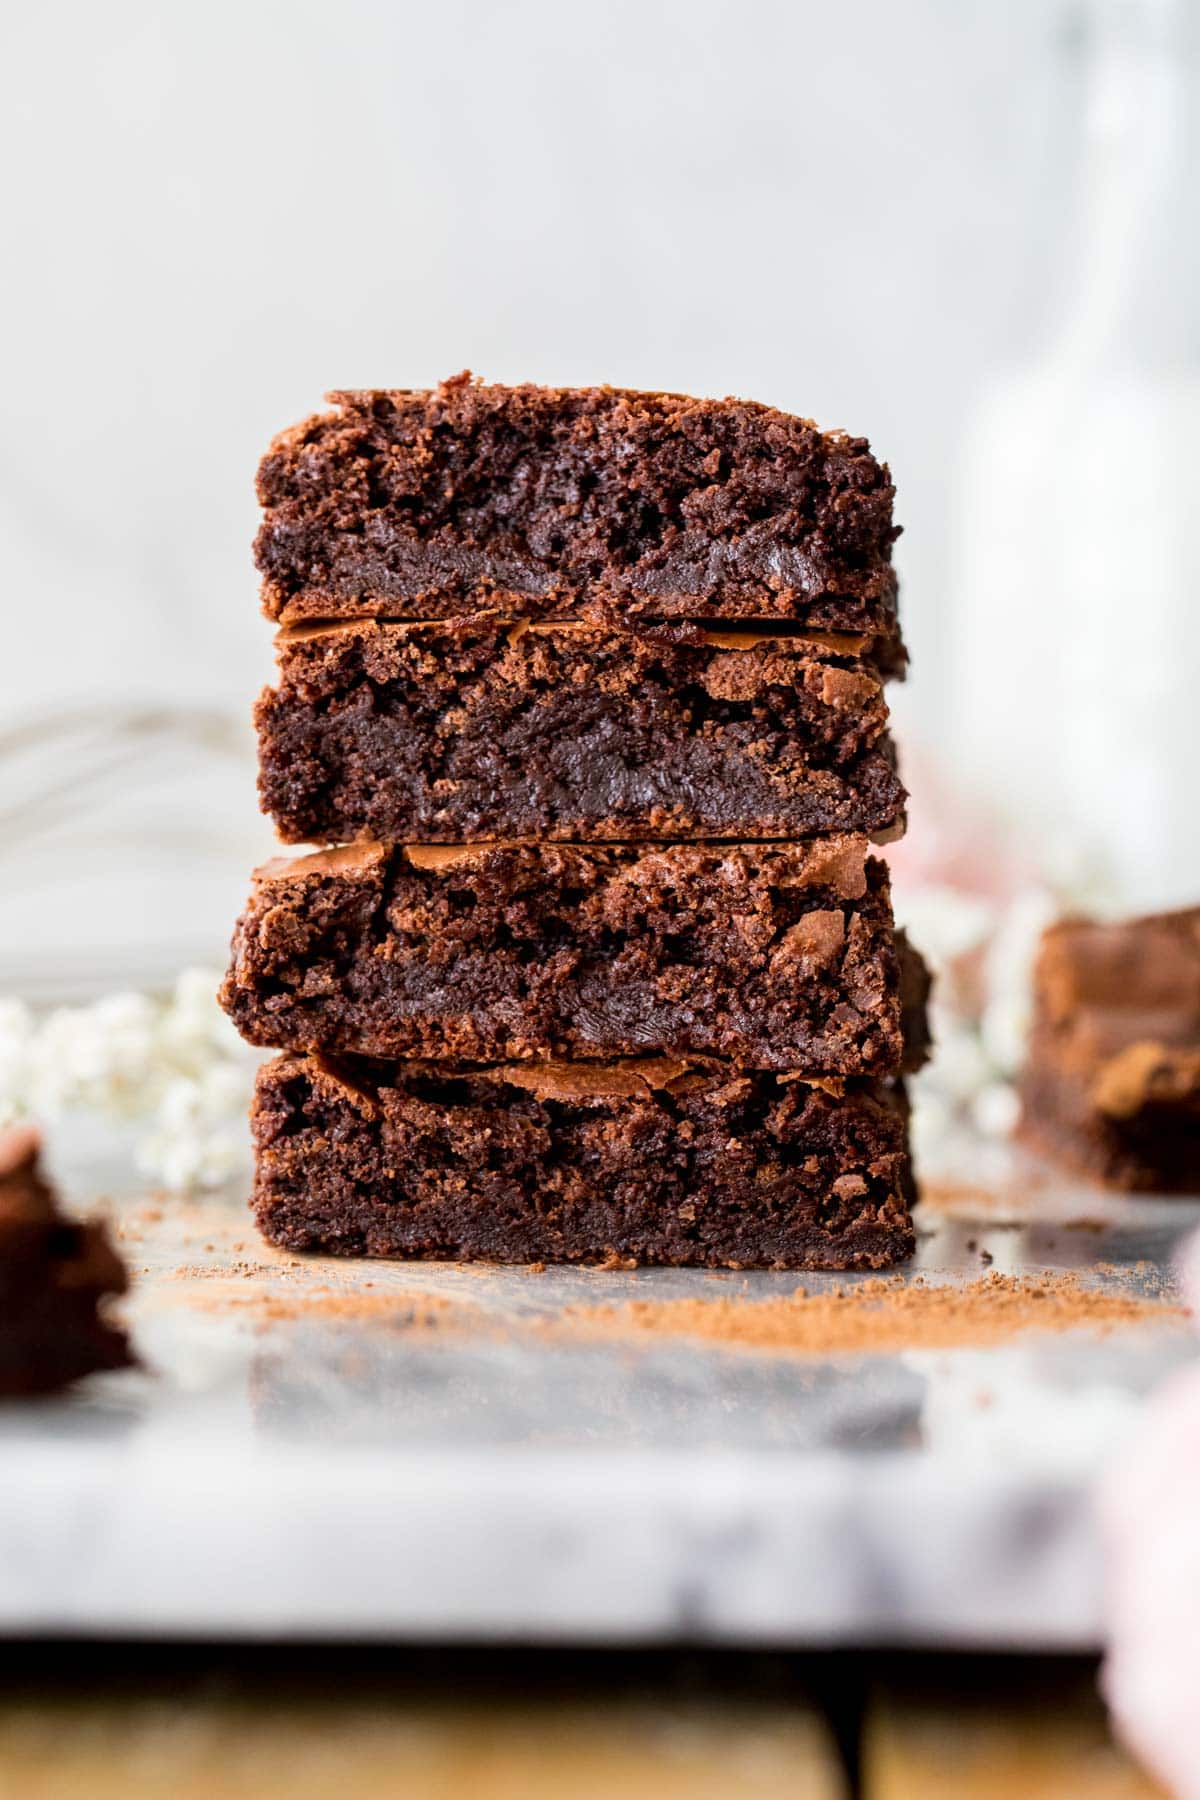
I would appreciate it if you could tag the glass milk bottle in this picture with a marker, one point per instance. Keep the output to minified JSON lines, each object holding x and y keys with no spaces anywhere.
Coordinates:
{"x":1075,"y":618}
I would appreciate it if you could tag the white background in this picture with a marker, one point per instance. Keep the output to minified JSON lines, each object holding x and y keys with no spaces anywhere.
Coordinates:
{"x":218,"y":211}
{"x":215,"y":212}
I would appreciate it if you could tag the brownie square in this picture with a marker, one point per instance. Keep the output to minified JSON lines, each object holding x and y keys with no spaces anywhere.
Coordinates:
{"x":1112,"y":1083}
{"x":575,"y":502}
{"x":54,"y":1274}
{"x":774,"y":956}
{"x":646,"y":1161}
{"x":457,"y":733}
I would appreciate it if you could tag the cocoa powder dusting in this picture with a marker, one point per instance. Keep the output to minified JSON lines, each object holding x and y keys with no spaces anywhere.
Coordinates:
{"x":221,"y":1291}
{"x":885,"y":1314}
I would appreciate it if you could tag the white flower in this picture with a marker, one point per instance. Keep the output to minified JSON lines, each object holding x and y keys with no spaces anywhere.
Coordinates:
{"x":193,"y":1028}
{"x":1008,"y":964}
{"x":945,"y":922}
{"x":932,"y":1122}
{"x":102,"y":1057}
{"x":176,"y":1061}
{"x":960,"y":1067}
{"x":198,"y":1132}
{"x":1004,"y":1030}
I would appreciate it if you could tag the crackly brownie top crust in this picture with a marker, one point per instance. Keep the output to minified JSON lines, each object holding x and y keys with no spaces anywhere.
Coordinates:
{"x":360,"y":1080}
{"x":837,"y":862}
{"x":571,"y":500}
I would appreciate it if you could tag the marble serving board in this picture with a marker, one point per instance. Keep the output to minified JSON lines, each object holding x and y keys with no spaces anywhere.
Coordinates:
{"x":353,"y":1451}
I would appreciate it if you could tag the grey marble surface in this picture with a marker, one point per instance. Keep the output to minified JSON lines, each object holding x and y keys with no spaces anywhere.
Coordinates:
{"x":317,"y":1448}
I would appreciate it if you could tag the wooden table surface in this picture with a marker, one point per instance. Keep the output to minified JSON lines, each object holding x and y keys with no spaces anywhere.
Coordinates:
{"x":98,"y":1722}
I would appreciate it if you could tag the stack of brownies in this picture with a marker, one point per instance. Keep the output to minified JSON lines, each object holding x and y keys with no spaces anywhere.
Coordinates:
{"x":584,"y":690}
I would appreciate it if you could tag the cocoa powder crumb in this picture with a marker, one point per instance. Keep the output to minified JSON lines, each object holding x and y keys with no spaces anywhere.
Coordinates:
{"x":399,"y":1311}
{"x":885,"y":1314}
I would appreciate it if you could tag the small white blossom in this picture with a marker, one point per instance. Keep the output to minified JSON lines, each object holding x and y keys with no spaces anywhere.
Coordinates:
{"x":945,"y":922}
{"x":193,"y":1027}
{"x":961,"y":1064}
{"x":932,"y":1122}
{"x":193,"y":1143}
{"x":175,"y":1062}
{"x":980,"y":1024}
{"x":1004,"y":1029}
{"x":102,"y":1057}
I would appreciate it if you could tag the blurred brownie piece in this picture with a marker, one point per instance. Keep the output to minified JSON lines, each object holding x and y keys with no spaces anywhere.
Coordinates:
{"x":456,"y":733}
{"x":1112,"y":1084}
{"x":775,"y":956}
{"x":650,"y":1161}
{"x":569,"y":502}
{"x":54,"y":1277}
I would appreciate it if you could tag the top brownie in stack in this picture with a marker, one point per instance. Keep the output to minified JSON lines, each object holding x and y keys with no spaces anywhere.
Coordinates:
{"x":574,"y":503}
{"x":575,"y":614}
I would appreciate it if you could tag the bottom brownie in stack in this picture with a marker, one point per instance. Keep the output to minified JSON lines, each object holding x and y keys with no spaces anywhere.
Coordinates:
{"x":640,"y":1161}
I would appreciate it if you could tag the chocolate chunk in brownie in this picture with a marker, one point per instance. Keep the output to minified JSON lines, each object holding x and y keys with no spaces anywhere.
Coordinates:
{"x":54,"y":1278}
{"x":775,"y":956}
{"x":559,"y":502}
{"x":454,"y":733}
{"x":644,"y":1161}
{"x":1112,"y":1083}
